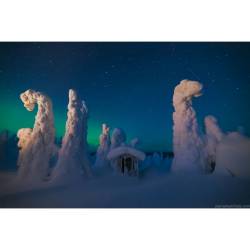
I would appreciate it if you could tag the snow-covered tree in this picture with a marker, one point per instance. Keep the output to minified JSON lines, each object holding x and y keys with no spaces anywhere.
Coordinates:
{"x":156,"y":159}
{"x":36,"y":145}
{"x":233,"y":156}
{"x":73,"y":155}
{"x":213,"y":136}
{"x":118,"y":138}
{"x":103,"y":149}
{"x":134,"y":142}
{"x":4,"y":137}
{"x":187,"y":143}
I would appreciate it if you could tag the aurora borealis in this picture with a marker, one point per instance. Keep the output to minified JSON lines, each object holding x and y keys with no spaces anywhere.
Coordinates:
{"x":126,"y":85}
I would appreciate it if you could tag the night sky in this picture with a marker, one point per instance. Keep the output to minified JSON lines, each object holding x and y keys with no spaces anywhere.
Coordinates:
{"x":127,"y":85}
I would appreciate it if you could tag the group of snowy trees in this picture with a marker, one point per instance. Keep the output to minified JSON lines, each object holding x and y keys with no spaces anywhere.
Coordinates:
{"x":37,"y":145}
{"x":205,"y":153}
{"x":106,"y":144}
{"x":40,"y":159}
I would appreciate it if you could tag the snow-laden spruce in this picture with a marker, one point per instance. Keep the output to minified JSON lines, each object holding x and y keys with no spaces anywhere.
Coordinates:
{"x":213,"y":137}
{"x":187,"y":142}
{"x":103,"y":149}
{"x":73,"y":155}
{"x":118,"y":138}
{"x":233,"y":156}
{"x":36,"y":145}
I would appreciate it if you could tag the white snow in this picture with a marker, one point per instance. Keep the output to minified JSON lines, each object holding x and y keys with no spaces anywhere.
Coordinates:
{"x":116,"y":152}
{"x":73,"y":155}
{"x":36,"y":145}
{"x":233,"y":156}
{"x":155,"y":186}
{"x":151,"y":191}
{"x":118,"y":138}
{"x":213,"y":137}
{"x":187,"y":142}
{"x":103,"y":149}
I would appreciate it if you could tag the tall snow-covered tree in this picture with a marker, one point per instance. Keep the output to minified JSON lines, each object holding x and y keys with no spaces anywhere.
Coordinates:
{"x":213,"y":137}
{"x":73,"y":155}
{"x":36,"y":145}
{"x":187,"y":142}
{"x":103,"y":149}
{"x":118,"y":138}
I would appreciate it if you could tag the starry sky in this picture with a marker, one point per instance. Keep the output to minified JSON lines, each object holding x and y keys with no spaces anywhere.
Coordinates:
{"x":127,"y":85}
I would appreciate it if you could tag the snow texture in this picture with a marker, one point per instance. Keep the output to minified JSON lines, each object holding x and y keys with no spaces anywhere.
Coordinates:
{"x":73,"y":155}
{"x":213,"y":137}
{"x":233,"y":156}
{"x":134,"y":142}
{"x":118,"y":151}
{"x":187,"y":143}
{"x":103,"y":149}
{"x":36,"y":145}
{"x":118,"y":138}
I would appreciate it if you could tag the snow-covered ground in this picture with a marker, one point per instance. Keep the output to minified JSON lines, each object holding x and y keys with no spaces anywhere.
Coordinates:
{"x":155,"y":189}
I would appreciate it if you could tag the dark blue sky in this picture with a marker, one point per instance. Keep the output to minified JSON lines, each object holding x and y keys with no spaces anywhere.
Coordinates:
{"x":127,"y":85}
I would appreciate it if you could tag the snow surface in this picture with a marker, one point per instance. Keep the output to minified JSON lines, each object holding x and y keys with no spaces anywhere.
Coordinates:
{"x":154,"y":190}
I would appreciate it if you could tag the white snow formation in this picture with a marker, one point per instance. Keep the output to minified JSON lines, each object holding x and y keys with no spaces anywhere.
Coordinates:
{"x":103,"y":149}
{"x":73,"y":155}
{"x":134,"y":142}
{"x":233,"y":156}
{"x":37,"y":144}
{"x":213,"y":137}
{"x":122,"y":150}
{"x":187,"y":143}
{"x":118,"y":138}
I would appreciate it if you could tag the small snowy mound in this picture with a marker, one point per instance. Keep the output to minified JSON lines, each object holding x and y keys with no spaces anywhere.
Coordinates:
{"x":233,"y":156}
